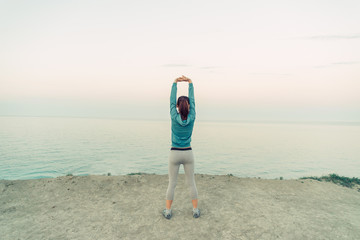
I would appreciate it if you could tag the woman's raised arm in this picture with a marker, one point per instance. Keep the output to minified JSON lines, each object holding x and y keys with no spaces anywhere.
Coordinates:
{"x":173,"y":111}
{"x":192,"y":113}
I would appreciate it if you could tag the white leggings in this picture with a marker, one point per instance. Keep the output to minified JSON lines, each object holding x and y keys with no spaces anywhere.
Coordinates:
{"x":176,"y":158}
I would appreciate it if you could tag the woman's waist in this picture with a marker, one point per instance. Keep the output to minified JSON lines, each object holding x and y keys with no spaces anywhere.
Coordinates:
{"x":181,"y":148}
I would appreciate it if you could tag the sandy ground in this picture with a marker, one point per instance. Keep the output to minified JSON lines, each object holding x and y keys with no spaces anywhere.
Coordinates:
{"x":129,"y":207}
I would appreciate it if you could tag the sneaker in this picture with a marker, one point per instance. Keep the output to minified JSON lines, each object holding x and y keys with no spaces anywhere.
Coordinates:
{"x":167,"y":213}
{"x":196,"y":212}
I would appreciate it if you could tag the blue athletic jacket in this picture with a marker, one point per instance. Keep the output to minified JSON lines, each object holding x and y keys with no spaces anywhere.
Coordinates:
{"x":181,"y":130}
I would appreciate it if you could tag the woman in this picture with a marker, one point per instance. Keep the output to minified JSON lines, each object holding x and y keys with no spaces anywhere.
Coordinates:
{"x":182,"y":124}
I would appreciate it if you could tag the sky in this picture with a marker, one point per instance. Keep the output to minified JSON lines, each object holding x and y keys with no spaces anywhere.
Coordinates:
{"x":249,"y":60}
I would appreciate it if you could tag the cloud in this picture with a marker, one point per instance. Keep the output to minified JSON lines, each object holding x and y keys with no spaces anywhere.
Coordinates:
{"x":337,"y":63}
{"x":176,"y":65}
{"x":345,"y":63}
{"x":209,"y":67}
{"x":322,"y":66}
{"x":332,"y":37}
{"x":271,"y":74}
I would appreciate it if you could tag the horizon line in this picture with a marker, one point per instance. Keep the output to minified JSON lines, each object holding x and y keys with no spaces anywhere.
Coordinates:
{"x":329,"y":122}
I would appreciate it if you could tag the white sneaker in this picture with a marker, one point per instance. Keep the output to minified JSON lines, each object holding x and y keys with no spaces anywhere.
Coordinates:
{"x":196,"y":212}
{"x":167,"y":213}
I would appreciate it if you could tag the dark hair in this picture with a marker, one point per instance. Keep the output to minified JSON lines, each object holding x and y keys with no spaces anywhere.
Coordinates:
{"x":183,"y":105}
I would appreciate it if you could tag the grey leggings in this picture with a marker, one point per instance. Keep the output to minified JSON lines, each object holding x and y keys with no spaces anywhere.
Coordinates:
{"x":176,"y":158}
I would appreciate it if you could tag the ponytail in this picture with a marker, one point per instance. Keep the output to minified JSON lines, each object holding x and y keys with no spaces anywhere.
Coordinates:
{"x":183,"y":105}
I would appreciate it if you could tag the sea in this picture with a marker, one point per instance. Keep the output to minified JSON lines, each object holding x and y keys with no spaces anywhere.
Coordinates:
{"x":48,"y":147}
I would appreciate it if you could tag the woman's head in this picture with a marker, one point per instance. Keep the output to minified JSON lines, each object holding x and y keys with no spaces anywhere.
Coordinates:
{"x":183,"y":105}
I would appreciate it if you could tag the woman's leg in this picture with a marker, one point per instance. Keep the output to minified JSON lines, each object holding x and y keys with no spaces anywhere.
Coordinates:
{"x":174,"y":165}
{"x":190,"y":178}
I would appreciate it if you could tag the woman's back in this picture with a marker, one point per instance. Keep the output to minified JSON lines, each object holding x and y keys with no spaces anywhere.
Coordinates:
{"x":181,"y":130}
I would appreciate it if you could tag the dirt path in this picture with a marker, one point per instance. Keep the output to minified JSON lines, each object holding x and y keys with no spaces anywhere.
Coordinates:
{"x":129,"y":207}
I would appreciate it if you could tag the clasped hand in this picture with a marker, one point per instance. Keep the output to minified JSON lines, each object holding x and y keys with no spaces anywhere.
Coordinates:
{"x":183,"y":79}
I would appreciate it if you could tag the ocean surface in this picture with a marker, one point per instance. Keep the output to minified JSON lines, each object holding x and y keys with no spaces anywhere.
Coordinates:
{"x":38,"y":147}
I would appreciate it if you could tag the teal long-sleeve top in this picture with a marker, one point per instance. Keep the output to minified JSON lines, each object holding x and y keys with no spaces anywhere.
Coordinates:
{"x":181,"y":130}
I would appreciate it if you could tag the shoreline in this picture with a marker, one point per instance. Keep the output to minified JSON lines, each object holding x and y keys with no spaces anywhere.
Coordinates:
{"x":129,"y":206}
{"x":330,"y":177}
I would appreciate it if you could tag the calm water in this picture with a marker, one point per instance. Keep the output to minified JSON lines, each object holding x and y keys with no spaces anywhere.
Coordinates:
{"x":51,"y":147}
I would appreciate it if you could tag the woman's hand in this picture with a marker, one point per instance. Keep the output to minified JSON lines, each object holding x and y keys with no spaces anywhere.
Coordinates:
{"x":183,"y":79}
{"x":186,"y":79}
{"x":179,"y":79}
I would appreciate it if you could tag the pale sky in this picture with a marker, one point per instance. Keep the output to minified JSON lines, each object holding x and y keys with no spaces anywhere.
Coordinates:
{"x":249,"y":60}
